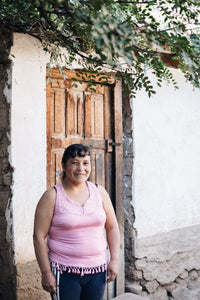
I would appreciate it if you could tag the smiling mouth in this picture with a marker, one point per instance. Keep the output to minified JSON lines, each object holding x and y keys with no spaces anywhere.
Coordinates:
{"x":79,"y":174}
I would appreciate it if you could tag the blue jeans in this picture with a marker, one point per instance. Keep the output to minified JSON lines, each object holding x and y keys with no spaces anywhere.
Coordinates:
{"x":76,"y":287}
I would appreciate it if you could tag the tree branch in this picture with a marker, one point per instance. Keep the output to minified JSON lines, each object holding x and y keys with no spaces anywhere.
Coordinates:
{"x":66,"y":40}
{"x":135,"y":2}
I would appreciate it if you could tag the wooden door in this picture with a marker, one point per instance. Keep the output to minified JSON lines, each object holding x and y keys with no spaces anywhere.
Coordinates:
{"x":75,"y":114}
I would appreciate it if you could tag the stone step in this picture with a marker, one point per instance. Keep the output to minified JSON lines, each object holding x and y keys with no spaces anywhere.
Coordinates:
{"x":130,"y":296}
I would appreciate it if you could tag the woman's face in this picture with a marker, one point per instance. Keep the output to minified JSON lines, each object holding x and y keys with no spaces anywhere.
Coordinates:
{"x":77,"y":169}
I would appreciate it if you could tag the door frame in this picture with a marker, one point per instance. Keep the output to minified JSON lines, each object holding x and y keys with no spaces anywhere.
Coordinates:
{"x":119,"y":205}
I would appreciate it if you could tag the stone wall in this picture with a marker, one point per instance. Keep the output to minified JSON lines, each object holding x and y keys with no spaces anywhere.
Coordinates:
{"x":7,"y":266}
{"x":167,"y":266}
{"x":129,"y":215}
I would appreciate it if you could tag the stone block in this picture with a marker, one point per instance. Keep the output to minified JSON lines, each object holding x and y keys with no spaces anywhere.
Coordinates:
{"x":180,"y":281}
{"x":127,"y":122}
{"x":128,"y":147}
{"x":129,"y":216}
{"x":160,"y":294}
{"x":7,"y":178}
{"x":184,"y":275}
{"x":130,"y":296}
{"x":128,"y":165}
{"x":145,"y":294}
{"x":151,"y":286}
{"x":193,"y":283}
{"x":3,"y":227}
{"x":3,"y":149}
{"x":4,"y":120}
{"x":3,"y":204}
{"x":170,"y":287}
{"x":4,"y":165}
{"x":193,"y":274}
{"x":179,"y":289}
{"x":190,"y":294}
{"x":193,"y":280}
{"x":137,"y":275}
{"x":134,"y":288}
{"x":127,"y":186}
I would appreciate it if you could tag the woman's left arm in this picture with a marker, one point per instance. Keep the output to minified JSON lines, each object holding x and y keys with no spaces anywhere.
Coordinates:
{"x":112,"y":233}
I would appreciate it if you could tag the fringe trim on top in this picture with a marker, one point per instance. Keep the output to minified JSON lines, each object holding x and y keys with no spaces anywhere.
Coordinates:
{"x":79,"y":270}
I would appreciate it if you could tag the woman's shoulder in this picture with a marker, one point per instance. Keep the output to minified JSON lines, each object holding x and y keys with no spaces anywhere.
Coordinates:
{"x":46,"y":203}
{"x":51,"y":192}
{"x":49,"y":196}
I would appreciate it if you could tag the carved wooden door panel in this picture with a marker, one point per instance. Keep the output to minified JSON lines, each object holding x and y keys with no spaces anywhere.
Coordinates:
{"x":77,"y":115}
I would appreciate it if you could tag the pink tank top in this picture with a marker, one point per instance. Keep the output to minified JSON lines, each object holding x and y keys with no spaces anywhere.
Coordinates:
{"x":77,"y":240}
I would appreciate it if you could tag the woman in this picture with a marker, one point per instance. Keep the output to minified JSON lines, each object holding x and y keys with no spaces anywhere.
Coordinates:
{"x":73,"y":215}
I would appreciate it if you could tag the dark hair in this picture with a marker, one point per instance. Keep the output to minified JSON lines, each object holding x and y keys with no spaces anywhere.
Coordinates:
{"x":72,"y":151}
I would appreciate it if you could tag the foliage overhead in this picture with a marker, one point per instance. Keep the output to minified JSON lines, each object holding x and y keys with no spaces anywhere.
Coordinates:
{"x":126,"y":37}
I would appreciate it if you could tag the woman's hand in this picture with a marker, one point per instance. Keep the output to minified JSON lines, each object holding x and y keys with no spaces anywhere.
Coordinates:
{"x":112,"y":270}
{"x":49,"y":282}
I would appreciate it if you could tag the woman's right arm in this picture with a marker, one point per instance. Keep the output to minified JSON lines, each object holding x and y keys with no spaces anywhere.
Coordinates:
{"x":43,"y":216}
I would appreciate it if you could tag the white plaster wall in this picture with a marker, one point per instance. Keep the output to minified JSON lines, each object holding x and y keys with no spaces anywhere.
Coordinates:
{"x":28,"y":137}
{"x":166,"y":146}
{"x":167,"y":159}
